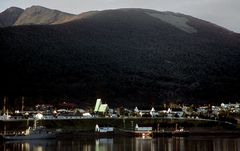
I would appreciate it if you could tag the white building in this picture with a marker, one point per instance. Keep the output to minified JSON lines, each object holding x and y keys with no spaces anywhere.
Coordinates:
{"x":100,"y":108}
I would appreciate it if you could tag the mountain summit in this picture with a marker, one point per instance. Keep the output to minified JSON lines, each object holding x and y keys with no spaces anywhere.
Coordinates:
{"x":42,"y":15}
{"x":132,"y":55}
{"x":36,"y":15}
{"x":9,"y":16}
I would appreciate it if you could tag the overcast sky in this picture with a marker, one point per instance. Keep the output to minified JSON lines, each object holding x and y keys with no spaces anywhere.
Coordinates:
{"x":225,"y":13}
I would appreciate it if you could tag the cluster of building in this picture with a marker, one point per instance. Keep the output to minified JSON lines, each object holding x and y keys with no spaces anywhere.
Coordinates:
{"x":47,"y":111}
{"x":178,"y":111}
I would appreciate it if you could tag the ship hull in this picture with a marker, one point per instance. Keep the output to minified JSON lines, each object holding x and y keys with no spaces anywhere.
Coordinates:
{"x":30,"y":137}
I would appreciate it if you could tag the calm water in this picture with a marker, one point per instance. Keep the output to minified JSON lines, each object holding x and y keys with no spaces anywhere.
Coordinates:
{"x":126,"y":144}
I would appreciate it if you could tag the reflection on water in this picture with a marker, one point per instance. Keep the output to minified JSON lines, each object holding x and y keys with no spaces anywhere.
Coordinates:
{"x":104,"y":144}
{"x":127,"y":144}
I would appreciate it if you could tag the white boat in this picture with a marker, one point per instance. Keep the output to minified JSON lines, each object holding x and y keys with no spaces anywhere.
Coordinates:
{"x":103,"y":129}
{"x":30,"y":133}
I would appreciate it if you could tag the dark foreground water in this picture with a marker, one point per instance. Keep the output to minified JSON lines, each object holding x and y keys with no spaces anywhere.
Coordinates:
{"x":196,"y":143}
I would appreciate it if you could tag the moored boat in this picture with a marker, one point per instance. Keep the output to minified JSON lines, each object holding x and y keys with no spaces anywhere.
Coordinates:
{"x":30,"y":133}
{"x":137,"y":132}
{"x":180,"y":132}
{"x":161,"y":133}
{"x":104,"y":130}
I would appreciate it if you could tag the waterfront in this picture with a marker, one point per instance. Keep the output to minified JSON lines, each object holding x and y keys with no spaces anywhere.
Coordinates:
{"x":193,"y":143}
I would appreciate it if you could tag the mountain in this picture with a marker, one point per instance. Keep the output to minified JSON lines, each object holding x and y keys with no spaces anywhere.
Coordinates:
{"x":124,"y":56}
{"x":42,"y":15}
{"x":37,"y":15}
{"x":9,"y":16}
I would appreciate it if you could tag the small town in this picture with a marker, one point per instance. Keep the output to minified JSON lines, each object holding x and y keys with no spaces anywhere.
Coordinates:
{"x":229,"y":112}
{"x":46,"y":121}
{"x":119,"y":75}
{"x":68,"y":117}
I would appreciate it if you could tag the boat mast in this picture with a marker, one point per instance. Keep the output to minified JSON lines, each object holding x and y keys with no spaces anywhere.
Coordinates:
{"x":22,"y":104}
{"x":176,"y":126}
{"x":35,"y":124}
{"x":5,"y":129}
{"x":4,"y":104}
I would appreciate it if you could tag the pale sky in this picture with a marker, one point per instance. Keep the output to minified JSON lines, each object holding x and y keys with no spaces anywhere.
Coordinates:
{"x":225,"y":13}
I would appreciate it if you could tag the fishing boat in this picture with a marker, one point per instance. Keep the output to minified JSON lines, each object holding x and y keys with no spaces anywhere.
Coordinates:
{"x":30,"y":133}
{"x":35,"y":132}
{"x":137,"y":132}
{"x":178,"y":132}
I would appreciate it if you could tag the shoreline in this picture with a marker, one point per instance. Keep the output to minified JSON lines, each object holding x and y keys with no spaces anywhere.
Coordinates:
{"x":206,"y":132}
{"x":94,"y":135}
{"x":87,"y":126}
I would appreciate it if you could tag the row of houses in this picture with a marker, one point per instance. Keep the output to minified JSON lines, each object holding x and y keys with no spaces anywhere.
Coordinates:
{"x":181,"y":111}
{"x":103,"y":110}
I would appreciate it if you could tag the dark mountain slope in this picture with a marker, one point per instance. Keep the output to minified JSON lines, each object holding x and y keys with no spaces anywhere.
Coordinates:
{"x":123,"y":55}
{"x":9,"y":16}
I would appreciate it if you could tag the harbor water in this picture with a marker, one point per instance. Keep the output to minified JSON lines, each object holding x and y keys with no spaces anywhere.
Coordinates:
{"x":191,"y":143}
